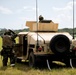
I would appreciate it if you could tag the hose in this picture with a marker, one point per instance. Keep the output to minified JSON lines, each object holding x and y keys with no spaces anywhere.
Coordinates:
{"x":71,"y":64}
{"x":48,"y":64}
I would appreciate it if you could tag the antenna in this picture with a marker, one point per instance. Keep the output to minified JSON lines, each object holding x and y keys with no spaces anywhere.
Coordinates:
{"x":37,"y":21}
{"x":73,"y":19}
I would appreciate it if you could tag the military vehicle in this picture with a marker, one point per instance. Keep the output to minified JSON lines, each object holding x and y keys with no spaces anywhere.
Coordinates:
{"x":44,"y":42}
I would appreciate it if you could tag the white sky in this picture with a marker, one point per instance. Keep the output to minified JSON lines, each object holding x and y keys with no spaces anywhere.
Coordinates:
{"x":15,"y":13}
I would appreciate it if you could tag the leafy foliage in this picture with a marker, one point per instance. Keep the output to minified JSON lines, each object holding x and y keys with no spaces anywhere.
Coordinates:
{"x":70,"y":30}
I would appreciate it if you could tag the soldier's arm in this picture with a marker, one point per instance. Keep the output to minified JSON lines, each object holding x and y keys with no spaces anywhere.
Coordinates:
{"x":12,"y":31}
{"x":13,"y":34}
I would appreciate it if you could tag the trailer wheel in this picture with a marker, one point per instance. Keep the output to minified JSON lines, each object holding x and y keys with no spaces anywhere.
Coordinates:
{"x":31,"y":60}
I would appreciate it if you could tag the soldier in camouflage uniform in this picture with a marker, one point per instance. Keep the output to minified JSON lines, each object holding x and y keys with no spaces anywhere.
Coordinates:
{"x":8,"y":47}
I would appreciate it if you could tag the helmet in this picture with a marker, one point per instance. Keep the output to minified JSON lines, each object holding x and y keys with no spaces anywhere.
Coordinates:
{"x":7,"y":32}
{"x":41,"y":18}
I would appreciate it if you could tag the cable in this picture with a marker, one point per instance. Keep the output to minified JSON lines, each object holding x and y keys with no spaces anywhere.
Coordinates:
{"x":71,"y":64}
{"x":48,"y":64}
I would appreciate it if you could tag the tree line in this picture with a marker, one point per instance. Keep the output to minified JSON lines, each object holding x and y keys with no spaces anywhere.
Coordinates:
{"x":69,"y":30}
{"x":16,"y":31}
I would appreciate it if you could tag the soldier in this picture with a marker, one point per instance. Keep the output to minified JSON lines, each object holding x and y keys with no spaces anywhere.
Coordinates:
{"x":8,"y":47}
{"x":41,"y":18}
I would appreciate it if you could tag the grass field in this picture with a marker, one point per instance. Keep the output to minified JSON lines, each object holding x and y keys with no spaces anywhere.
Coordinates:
{"x":24,"y":69}
{"x":0,"y":43}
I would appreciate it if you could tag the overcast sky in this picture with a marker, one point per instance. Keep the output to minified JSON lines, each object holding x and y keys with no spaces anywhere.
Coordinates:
{"x":15,"y":13}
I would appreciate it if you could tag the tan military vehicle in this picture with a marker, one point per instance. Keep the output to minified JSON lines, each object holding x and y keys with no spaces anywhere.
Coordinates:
{"x":44,"y":42}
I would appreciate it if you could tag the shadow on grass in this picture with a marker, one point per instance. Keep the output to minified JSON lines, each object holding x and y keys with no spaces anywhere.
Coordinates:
{"x":24,"y":66}
{"x":40,"y":65}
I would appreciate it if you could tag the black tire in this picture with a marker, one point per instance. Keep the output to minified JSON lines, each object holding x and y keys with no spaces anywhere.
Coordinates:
{"x":31,"y":60}
{"x":60,"y":44}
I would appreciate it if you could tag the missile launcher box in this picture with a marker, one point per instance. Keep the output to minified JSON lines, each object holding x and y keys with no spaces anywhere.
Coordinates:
{"x":42,"y":26}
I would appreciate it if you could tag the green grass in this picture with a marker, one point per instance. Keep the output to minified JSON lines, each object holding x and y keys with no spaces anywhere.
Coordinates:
{"x":24,"y":69}
{"x":0,"y":43}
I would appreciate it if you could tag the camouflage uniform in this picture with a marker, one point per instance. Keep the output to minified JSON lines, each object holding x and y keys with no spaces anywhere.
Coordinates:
{"x":8,"y":47}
